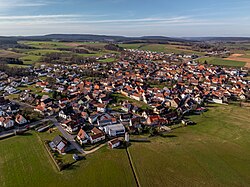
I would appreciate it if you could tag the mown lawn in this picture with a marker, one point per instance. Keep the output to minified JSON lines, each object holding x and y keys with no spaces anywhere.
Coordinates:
{"x":215,"y":152}
{"x":25,"y":162}
{"x":221,"y":62}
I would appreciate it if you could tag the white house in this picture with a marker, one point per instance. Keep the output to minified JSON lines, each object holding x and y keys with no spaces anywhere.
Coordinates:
{"x":94,"y":136}
{"x":6,"y":122}
{"x":114,"y":143}
{"x":20,"y":120}
{"x":114,"y":130}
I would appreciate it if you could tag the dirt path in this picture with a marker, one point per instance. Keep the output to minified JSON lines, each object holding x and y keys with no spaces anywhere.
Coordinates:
{"x":95,"y":149}
{"x":237,"y":57}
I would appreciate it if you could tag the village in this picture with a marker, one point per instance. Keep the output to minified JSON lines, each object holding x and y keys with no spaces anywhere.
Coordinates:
{"x":144,"y":92}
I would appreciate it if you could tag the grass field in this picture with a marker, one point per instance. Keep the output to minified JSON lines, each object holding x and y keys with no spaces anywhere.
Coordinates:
{"x":25,"y":162}
{"x":117,"y":98}
{"x":167,"y":48}
{"x":215,"y":152}
{"x":30,"y":59}
{"x":108,"y":60}
{"x":9,"y":54}
{"x":221,"y":62}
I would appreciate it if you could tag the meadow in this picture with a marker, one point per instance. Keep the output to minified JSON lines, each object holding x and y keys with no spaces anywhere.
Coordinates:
{"x":25,"y":162}
{"x":167,"y":48}
{"x":221,"y":61}
{"x":215,"y":152}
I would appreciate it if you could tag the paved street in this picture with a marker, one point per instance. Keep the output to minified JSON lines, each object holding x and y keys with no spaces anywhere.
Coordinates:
{"x":67,"y":136}
{"x":31,"y":125}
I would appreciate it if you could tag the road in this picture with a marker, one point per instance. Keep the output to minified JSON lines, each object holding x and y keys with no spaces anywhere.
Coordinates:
{"x":22,"y":104}
{"x":68,"y":136}
{"x":31,"y":125}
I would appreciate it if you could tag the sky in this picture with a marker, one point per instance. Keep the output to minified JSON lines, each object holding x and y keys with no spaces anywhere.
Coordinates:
{"x":175,"y":18}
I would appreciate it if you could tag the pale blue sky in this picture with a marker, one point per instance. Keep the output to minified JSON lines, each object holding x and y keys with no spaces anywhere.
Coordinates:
{"x":126,"y":17}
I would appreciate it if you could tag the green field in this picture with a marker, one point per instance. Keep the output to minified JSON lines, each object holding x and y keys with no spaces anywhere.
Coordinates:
{"x":25,"y":162}
{"x":216,"y":152}
{"x":117,"y":98}
{"x":9,"y":54}
{"x":237,"y":45}
{"x":167,"y":48}
{"x":45,"y":44}
{"x":31,"y":56}
{"x":30,"y":59}
{"x":221,"y":62}
{"x":108,"y":60}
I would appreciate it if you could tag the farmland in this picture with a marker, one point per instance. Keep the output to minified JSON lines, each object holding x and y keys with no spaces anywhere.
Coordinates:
{"x":38,"y":49}
{"x":221,"y":61}
{"x":9,"y":54}
{"x":167,"y":48}
{"x":213,"y":153}
{"x":25,"y":162}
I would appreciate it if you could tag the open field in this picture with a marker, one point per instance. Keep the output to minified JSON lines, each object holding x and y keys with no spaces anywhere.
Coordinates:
{"x":25,"y":162}
{"x":222,"y":61}
{"x":9,"y":54}
{"x":240,"y":58}
{"x":238,"y":45}
{"x":167,"y":48}
{"x":108,"y":60}
{"x":30,"y":59}
{"x":215,"y":152}
{"x":56,"y":45}
{"x":45,"y":44}
{"x":117,"y":98}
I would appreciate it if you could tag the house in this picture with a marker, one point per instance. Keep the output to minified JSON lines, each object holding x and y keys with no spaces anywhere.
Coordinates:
{"x":114,"y":143}
{"x":135,"y":122}
{"x":13,"y":108}
{"x":114,"y":130}
{"x":6,"y":122}
{"x":82,"y":136}
{"x":104,"y":122}
{"x":66,"y":113}
{"x":2,"y":113}
{"x":3,"y":101}
{"x":155,"y":120}
{"x":125,"y":117}
{"x":20,"y":120}
{"x":59,"y":144}
{"x":136,"y":96}
{"x":40,"y":109}
{"x":42,"y":84}
{"x":101,"y":107}
{"x":70,"y":126}
{"x":104,"y":100}
{"x":46,"y":102}
{"x":96,"y":135}
{"x":93,"y":117}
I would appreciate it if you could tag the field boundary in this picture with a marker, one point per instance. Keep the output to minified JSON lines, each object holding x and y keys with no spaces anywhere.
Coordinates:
{"x":133,"y":168}
{"x":51,"y":156}
{"x":7,"y":136}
